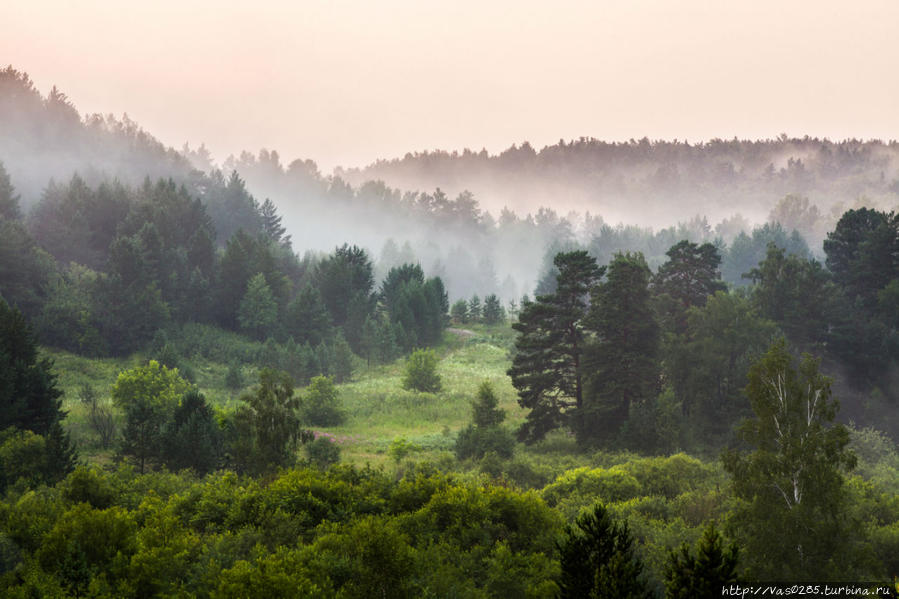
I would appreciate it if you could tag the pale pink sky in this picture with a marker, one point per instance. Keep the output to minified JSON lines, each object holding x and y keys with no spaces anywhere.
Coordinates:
{"x":347,"y":82}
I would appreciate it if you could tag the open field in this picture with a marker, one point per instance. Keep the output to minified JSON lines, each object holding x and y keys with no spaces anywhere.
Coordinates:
{"x":378,"y":409}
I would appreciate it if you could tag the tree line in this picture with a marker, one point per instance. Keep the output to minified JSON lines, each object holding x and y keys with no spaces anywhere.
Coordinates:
{"x":620,"y":355}
{"x":101,"y":271}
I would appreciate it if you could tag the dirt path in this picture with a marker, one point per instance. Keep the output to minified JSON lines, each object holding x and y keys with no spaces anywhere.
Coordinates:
{"x":464,"y":333}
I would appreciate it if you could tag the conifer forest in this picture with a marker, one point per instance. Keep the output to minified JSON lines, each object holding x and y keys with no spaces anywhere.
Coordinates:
{"x":581,"y":369}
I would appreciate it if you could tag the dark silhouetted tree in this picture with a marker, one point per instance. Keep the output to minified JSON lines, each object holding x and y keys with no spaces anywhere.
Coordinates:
{"x":546,"y":367}
{"x":598,"y":560}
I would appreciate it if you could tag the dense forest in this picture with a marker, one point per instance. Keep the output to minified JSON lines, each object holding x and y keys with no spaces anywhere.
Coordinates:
{"x":358,"y":390}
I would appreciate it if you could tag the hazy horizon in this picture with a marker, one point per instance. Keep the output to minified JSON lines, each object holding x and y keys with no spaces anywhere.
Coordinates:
{"x":345,"y":84}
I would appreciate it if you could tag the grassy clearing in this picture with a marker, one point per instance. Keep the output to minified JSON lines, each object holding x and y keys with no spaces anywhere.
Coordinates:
{"x":378,"y":408}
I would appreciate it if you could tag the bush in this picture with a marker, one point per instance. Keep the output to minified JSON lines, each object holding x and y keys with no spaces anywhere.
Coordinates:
{"x":234,"y":377}
{"x":475,"y":442}
{"x":400,"y":448}
{"x":321,"y":406}
{"x":421,"y":372}
{"x":323,"y":452}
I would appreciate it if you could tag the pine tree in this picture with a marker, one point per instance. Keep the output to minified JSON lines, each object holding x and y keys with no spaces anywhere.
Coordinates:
{"x":546,"y":368}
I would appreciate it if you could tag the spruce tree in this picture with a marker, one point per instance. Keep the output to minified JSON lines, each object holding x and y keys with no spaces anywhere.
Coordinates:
{"x":258,"y":310}
{"x":704,"y":573}
{"x":9,"y":202}
{"x":623,"y":358}
{"x":598,"y":561}
{"x":29,"y":397}
{"x":493,"y":310}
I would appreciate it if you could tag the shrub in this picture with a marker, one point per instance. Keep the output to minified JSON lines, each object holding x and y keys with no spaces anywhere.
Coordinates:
{"x":321,"y":406}
{"x":234,"y":377}
{"x":323,"y":452}
{"x":475,"y":442}
{"x":421,"y":372}
{"x":400,"y":448}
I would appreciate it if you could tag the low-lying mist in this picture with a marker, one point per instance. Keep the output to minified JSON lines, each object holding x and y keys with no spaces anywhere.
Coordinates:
{"x":484,"y":223}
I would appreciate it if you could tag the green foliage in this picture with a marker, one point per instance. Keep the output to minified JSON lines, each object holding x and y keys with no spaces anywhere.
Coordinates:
{"x":30,"y":399}
{"x":23,"y":457}
{"x":421,"y":372}
{"x":416,"y":306}
{"x":307,"y":318}
{"x":258,"y":311}
{"x":25,"y":270}
{"x":704,"y":574}
{"x":792,"y":519}
{"x":100,"y":417}
{"x":341,"y":362}
{"x":485,"y":412}
{"x":323,"y":451}
{"x":9,"y":201}
{"x":400,"y":448}
{"x":368,"y":558}
{"x":280,"y":574}
{"x":345,"y":280}
{"x":101,"y":540}
{"x":485,"y":434}
{"x":474,"y":442}
{"x":234,"y":377}
{"x":862,"y":252}
{"x":265,"y":430}
{"x":598,"y":560}
{"x":546,"y":367}
{"x":707,"y":366}
{"x":321,"y":406}
{"x":784,"y":287}
{"x":493,"y":312}
{"x":623,"y":361}
{"x":459,"y":312}
{"x":88,"y":485}
{"x":379,"y":344}
{"x":148,"y":396}
{"x":689,"y":277}
{"x":192,"y":437}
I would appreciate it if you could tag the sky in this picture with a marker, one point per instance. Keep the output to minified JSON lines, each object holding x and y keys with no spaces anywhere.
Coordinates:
{"x":345,"y":83}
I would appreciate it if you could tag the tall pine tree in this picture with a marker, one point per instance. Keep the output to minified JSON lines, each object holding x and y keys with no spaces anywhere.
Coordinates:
{"x":546,"y":369}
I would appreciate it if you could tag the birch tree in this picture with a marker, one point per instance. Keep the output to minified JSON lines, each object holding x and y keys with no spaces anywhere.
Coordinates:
{"x":792,"y":516}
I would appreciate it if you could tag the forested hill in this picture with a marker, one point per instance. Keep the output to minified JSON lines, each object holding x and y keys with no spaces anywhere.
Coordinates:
{"x":44,"y":138}
{"x":636,"y":180}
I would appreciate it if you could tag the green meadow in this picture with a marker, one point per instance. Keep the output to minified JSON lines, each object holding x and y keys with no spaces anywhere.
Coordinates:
{"x":378,"y":410}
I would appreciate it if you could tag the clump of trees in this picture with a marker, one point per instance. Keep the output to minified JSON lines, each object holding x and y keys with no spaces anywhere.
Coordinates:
{"x":471,"y":311}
